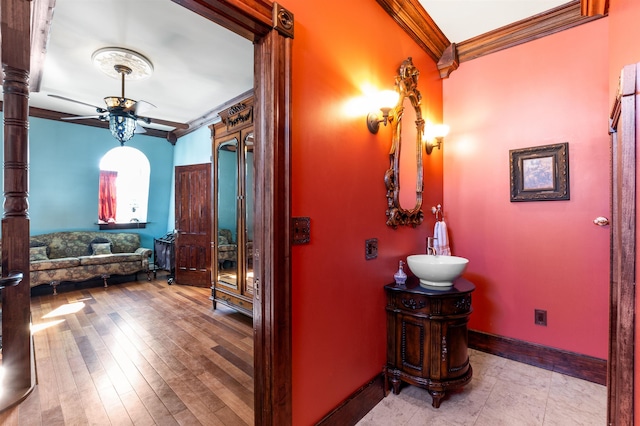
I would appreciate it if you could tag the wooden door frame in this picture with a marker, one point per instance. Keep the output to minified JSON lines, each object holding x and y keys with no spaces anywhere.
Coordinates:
{"x":620,"y":368}
{"x":270,"y":27}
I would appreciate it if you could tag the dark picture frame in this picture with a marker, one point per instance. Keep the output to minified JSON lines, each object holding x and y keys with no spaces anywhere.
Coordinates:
{"x":540,"y":173}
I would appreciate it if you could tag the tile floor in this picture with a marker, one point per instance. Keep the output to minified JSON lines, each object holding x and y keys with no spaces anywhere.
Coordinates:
{"x":502,"y":392}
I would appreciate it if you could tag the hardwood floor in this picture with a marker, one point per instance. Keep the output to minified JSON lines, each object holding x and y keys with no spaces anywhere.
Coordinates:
{"x":138,"y":353}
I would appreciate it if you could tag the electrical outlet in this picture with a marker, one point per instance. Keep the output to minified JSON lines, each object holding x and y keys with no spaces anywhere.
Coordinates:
{"x":540,"y":317}
{"x":371,"y":248}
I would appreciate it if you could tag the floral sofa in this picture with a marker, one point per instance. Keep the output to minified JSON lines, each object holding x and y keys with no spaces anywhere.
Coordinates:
{"x":82,"y":255}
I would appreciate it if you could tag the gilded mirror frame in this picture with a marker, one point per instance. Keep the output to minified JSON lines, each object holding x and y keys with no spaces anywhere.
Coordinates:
{"x":407,"y":87}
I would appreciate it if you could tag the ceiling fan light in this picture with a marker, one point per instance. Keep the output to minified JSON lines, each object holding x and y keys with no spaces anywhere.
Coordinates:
{"x":127,"y":103}
{"x":112,"y":101}
{"x":117,"y":102}
{"x":122,"y":127}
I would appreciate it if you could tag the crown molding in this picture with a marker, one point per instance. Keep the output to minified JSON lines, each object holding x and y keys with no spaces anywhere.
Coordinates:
{"x":594,"y":7}
{"x":552,"y":21}
{"x":41,"y":17}
{"x":416,"y":22}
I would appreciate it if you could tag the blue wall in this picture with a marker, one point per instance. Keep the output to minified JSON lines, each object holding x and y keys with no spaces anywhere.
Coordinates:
{"x":63,"y":177}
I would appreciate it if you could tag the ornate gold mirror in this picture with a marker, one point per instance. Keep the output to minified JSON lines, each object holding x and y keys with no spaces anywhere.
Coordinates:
{"x":404,"y":178}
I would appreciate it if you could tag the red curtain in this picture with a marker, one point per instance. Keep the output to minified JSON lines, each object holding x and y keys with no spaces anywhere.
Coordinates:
{"x":107,"y":196}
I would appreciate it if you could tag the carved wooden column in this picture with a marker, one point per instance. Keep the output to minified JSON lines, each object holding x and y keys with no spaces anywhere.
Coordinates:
{"x":19,"y":376}
{"x":272,"y":303}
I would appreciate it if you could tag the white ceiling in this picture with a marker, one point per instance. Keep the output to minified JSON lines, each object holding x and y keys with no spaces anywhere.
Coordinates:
{"x":461,"y":20}
{"x":198,"y":65}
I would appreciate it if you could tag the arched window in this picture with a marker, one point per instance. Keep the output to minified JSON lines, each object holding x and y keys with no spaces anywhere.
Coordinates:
{"x":124,"y":186}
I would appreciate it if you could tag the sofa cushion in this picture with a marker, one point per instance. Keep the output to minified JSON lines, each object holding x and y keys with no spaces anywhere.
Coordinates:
{"x":101,"y":259}
{"x":38,"y":253}
{"x":37,"y":243}
{"x":65,"y":262}
{"x":100,"y":248}
{"x":99,"y":243}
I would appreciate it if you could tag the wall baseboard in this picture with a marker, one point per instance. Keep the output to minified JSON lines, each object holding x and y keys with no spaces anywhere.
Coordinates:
{"x":570,"y":363}
{"x":357,"y":405}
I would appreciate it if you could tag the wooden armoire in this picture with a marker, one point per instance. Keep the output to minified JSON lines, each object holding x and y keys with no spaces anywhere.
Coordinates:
{"x":233,"y":212}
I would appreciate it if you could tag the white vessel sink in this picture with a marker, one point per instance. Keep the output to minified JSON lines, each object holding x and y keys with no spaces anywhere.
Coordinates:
{"x":436,"y":271}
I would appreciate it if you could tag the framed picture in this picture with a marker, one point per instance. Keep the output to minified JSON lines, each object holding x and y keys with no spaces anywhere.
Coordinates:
{"x":540,"y":173}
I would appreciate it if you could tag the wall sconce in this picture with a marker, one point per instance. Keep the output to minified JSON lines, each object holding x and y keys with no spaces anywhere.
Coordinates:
{"x":387,"y":100}
{"x":433,"y":135}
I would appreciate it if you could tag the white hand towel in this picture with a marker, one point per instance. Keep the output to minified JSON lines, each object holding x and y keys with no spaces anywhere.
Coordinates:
{"x":441,"y":243}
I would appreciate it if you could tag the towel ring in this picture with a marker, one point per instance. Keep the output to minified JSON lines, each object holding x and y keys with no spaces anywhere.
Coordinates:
{"x":437,"y":211}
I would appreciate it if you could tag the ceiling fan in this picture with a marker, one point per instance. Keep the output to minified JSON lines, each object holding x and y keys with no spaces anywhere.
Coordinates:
{"x":122,"y":113}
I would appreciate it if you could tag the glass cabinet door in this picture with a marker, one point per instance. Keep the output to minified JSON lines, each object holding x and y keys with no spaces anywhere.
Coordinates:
{"x":248,"y":211}
{"x":227,"y":167}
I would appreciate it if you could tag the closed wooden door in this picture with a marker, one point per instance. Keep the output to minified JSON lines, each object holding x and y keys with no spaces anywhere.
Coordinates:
{"x":193,"y":225}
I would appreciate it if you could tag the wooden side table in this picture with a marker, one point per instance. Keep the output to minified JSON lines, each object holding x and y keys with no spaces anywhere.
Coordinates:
{"x":427,"y":341}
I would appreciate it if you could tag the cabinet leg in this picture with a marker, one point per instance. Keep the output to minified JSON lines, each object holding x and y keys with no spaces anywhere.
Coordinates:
{"x":386,"y":383}
{"x":437,"y":398}
{"x":395,"y":382}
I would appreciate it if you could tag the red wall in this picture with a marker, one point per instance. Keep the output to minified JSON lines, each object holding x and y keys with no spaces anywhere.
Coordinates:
{"x":533,"y":255}
{"x":624,"y":32}
{"x":339,"y":335}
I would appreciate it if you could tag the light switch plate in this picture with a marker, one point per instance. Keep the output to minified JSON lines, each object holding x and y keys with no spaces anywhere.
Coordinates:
{"x":371,"y":248}
{"x":301,"y":230}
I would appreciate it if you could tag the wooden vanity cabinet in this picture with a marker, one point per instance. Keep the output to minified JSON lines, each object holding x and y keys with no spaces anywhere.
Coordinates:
{"x":427,"y":341}
{"x":233,"y":195}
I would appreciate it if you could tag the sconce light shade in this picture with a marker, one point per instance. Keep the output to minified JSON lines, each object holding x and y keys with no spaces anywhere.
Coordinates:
{"x":385,"y":100}
{"x":433,"y":136}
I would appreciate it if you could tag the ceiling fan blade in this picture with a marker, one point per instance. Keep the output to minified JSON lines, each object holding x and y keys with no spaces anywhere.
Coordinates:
{"x":168,"y":123}
{"x":81,"y":117}
{"x":142,"y":106}
{"x":139,"y":129}
{"x":97,"y":108}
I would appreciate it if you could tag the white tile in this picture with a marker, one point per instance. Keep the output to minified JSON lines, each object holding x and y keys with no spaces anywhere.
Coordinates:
{"x":575,"y":402}
{"x":502,"y":392}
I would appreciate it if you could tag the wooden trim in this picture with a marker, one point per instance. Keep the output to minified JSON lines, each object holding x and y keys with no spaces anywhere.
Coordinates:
{"x":564,"y":362}
{"x":416,"y":22}
{"x":17,"y":352}
{"x":251,"y":19}
{"x":210,"y":116}
{"x":552,"y":21}
{"x":41,"y":19}
{"x":624,"y":136}
{"x":128,"y":225}
{"x":272,"y":246}
{"x":272,"y":252}
{"x":449,"y":61}
{"x":357,"y":405}
{"x":594,"y":7}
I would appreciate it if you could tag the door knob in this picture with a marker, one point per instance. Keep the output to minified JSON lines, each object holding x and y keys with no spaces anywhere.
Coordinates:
{"x":601,"y":221}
